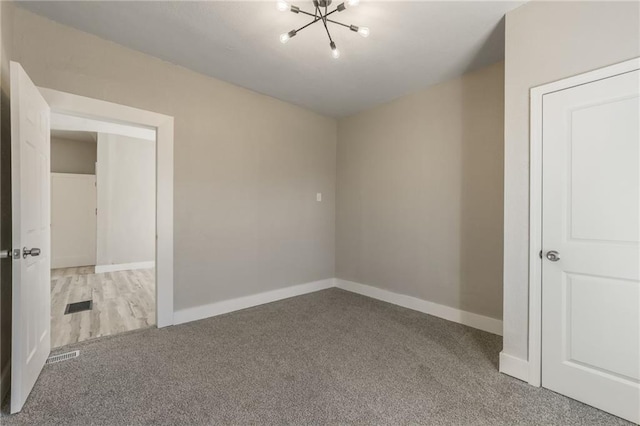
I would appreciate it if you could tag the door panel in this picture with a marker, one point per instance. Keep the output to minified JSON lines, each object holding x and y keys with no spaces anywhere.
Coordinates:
{"x":597,"y":211}
{"x":31,"y":288}
{"x":591,"y":216}
{"x":588,"y":338}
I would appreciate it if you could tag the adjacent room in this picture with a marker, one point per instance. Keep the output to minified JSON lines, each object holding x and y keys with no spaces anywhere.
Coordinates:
{"x":320,"y":212}
{"x":102,"y":229}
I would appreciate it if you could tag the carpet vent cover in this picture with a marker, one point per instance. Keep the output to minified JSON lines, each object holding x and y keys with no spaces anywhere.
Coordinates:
{"x":62,"y":357}
{"x":72,"y":308}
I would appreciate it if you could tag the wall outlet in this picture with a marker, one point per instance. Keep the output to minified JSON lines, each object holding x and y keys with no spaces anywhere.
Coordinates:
{"x":319,"y":196}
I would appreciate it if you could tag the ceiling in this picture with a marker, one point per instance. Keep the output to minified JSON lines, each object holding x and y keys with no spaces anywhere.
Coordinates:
{"x":74,"y":135}
{"x":412,"y":44}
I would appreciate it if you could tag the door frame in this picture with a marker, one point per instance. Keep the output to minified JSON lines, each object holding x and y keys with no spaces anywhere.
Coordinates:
{"x":535,"y":201}
{"x":81,"y":106}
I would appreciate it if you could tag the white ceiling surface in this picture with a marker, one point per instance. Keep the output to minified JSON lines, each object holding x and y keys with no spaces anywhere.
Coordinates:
{"x":412,"y":44}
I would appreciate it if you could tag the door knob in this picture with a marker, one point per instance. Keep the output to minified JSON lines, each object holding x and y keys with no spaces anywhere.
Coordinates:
{"x":33,"y":252}
{"x":553,"y":256}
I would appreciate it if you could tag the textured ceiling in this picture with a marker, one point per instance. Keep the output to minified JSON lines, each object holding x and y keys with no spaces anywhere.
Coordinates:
{"x":412,"y":44}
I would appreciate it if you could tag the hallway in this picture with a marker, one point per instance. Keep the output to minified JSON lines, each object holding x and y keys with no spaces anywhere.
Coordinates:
{"x":122,"y":301}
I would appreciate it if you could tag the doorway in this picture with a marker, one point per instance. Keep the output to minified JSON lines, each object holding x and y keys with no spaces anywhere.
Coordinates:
{"x":102,"y":229}
{"x":584,"y":335}
{"x":32,"y":109}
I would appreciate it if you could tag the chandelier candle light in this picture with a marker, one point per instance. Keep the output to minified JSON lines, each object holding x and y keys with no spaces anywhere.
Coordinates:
{"x":321,"y":16}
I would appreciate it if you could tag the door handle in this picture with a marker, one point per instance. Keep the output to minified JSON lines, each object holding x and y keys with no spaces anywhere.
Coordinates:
{"x":553,"y":256}
{"x":32,"y":252}
{"x":5,"y":254}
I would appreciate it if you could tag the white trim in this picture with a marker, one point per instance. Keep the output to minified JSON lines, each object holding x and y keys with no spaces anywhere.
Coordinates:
{"x":535,"y":203}
{"x":5,"y":384}
{"x":481,"y":322}
{"x":100,"y":269}
{"x":515,"y":367}
{"x":74,"y":175}
{"x":470,"y":319}
{"x":80,"y":106}
{"x":61,"y":121}
{"x":205,"y":311}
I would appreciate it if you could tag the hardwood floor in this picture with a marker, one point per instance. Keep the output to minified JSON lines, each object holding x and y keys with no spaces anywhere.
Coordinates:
{"x":122,"y":301}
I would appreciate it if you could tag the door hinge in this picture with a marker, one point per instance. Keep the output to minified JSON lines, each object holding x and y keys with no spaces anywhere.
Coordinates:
{"x":540,"y":254}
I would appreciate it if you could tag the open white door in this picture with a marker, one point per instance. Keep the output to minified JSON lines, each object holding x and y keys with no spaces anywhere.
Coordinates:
{"x":591,"y":243}
{"x":30,"y":150}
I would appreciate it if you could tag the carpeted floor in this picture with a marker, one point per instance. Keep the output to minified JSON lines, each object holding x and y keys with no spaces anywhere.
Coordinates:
{"x":330,"y":357}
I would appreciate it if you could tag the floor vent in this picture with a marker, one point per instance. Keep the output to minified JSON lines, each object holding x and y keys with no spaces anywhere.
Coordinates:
{"x":72,"y":308}
{"x":62,"y":357}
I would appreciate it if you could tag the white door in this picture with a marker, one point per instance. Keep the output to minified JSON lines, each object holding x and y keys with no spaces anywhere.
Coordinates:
{"x":31,"y":235}
{"x":73,"y":220}
{"x":591,"y":218}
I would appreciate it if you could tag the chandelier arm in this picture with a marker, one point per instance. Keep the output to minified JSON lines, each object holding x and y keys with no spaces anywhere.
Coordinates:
{"x":317,"y":18}
{"x":327,"y":29}
{"x":339,"y":23}
{"x":316,"y":15}
{"x":305,"y":26}
{"x":324,"y":22}
{"x":309,"y":14}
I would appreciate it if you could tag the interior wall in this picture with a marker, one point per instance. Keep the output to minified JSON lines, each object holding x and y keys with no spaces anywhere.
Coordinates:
{"x":126,"y":183}
{"x":247,"y":167}
{"x":71,"y":156}
{"x":6,"y":35}
{"x":546,"y":42}
{"x":73,"y":220}
{"x":419,"y":208}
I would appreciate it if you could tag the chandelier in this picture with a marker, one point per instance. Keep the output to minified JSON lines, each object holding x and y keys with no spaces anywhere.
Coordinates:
{"x":321,"y":14}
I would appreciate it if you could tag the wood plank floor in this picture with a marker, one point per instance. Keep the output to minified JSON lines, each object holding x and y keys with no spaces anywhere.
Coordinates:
{"x":122,"y":301}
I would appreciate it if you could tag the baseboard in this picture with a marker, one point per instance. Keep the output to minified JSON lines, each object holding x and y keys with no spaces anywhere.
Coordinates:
{"x":515,"y":367}
{"x":480,"y":322}
{"x":205,"y":311}
{"x":5,"y":382}
{"x":470,"y":319}
{"x":100,"y":269}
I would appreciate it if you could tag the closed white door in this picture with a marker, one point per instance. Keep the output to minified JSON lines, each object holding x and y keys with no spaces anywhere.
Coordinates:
{"x":31,"y":298}
{"x":591,"y":252}
{"x":73,"y":220}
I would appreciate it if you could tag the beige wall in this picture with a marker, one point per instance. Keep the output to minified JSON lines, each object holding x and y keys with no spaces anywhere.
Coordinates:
{"x":247,"y":166}
{"x":419,"y":208}
{"x":71,"y":156}
{"x":73,"y":220}
{"x":545,"y":42}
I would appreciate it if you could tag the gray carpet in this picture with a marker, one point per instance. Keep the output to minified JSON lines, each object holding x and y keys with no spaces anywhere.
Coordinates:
{"x":330,"y":357}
